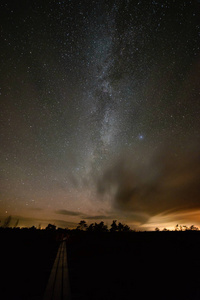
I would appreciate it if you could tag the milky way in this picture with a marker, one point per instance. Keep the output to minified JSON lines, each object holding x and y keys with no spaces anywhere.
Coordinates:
{"x":100,"y":111}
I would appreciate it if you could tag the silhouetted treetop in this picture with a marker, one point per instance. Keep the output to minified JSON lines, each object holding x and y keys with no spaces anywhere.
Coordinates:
{"x":82,"y":225}
{"x":50,"y":227}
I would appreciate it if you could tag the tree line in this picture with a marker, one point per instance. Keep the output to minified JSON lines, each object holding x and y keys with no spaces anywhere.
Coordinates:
{"x":82,"y":226}
{"x":101,"y":227}
{"x":180,"y":228}
{"x":98,"y":227}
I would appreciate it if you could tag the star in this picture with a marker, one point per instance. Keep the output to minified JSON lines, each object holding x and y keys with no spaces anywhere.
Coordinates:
{"x":141,"y":137}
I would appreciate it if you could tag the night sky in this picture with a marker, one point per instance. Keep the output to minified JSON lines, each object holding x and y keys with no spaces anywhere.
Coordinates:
{"x":100,"y":112}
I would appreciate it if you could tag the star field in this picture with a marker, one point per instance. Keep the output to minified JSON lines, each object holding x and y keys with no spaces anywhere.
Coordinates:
{"x":100,"y":111}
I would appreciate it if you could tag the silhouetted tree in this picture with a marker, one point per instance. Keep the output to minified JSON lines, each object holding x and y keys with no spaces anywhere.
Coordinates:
{"x":176,"y":227}
{"x":90,"y":228}
{"x":113,"y":226}
{"x":185,"y":227}
{"x":157,"y":229}
{"x":101,"y":227}
{"x":82,"y":225}
{"x":50,"y":227}
{"x":126,"y":228}
{"x":165,"y":229}
{"x":34,"y":228}
{"x":193,"y":228}
{"x":120,"y":227}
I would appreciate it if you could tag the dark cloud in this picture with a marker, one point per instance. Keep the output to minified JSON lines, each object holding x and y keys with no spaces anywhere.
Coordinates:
{"x":64,"y":224}
{"x":85,"y":216}
{"x":68,"y":212}
{"x":165,"y":183}
{"x":29,"y":222}
{"x":135,"y":218}
{"x":101,"y":217}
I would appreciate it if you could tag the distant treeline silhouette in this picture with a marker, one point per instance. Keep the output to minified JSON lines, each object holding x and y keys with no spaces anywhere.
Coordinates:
{"x":101,"y":227}
{"x":180,"y":228}
{"x":96,"y":227}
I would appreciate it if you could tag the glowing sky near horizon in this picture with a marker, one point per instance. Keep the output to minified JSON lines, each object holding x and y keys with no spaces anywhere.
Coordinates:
{"x":100,"y":112}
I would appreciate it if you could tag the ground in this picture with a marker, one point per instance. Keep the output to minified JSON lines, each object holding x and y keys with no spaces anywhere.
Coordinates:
{"x":143,"y":265}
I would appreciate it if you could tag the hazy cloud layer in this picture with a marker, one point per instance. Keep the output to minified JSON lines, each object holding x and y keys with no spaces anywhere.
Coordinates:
{"x":29,"y":222}
{"x":68,"y":212}
{"x":84,"y":216}
{"x":166,"y":183}
{"x":100,"y":217}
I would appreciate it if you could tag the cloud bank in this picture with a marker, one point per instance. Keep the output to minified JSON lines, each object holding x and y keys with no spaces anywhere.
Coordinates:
{"x":166,"y":183}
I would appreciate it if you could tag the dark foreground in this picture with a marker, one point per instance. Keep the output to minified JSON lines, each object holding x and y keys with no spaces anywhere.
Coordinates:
{"x":145,"y":265}
{"x":151,"y":265}
{"x":26,"y":257}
